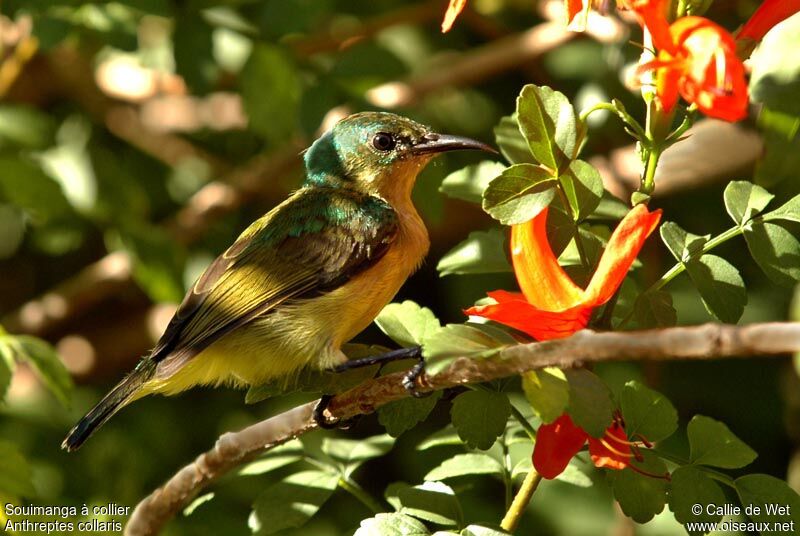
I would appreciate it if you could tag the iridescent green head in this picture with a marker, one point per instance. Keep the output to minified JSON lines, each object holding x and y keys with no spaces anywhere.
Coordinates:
{"x":377,"y":152}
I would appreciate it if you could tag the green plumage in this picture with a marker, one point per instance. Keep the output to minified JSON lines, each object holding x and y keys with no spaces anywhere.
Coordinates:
{"x":305,"y":278}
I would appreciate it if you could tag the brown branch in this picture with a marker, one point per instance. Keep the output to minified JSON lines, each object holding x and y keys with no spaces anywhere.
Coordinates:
{"x":709,"y":341}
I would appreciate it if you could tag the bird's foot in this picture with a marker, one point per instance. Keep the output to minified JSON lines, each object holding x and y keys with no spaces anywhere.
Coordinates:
{"x":411,"y":377}
{"x":323,"y":422}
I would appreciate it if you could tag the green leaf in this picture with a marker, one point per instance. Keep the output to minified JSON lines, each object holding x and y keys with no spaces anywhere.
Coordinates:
{"x":432,"y":501}
{"x":25,"y":127}
{"x":583,"y":187}
{"x":446,"y":437}
{"x":193,"y":51}
{"x":45,"y":362}
{"x":720,"y":285}
{"x":590,"y":404}
{"x":712,"y":443}
{"x":402,"y":415}
{"x":464,"y":465}
{"x":271,"y":92}
{"x":647,"y":412}
{"x":520,"y":193}
{"x":689,"y":486}
{"x":789,"y":211}
{"x":653,"y":309}
{"x":610,"y":208}
{"x":195,"y":504}
{"x":480,"y":530}
{"x":482,"y":252}
{"x":548,"y":122}
{"x":24,"y":184}
{"x":158,"y":261}
{"x":7,"y":366}
{"x":15,"y":474}
{"x":469,"y":183}
{"x":357,"y":450}
{"x":511,"y":142}
{"x":455,"y":340}
{"x":639,"y":496}
{"x":775,"y":249}
{"x":775,"y":80}
{"x":775,"y":501}
{"x":744,"y":200}
{"x":682,"y":244}
{"x":547,"y":391}
{"x":480,"y":417}
{"x":292,"y":501}
{"x":394,"y":524}
{"x":407,"y":323}
{"x":275,"y":458}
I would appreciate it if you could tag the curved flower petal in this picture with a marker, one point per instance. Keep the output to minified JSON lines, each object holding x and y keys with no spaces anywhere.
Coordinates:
{"x":768,"y":14}
{"x":713,"y":74}
{"x":545,"y":284}
{"x":612,"y":450}
{"x":652,"y":14}
{"x":556,"y":444}
{"x":621,"y":250}
{"x":513,"y":310}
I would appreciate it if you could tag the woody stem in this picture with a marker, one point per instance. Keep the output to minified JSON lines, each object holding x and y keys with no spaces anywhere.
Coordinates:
{"x":521,"y":500}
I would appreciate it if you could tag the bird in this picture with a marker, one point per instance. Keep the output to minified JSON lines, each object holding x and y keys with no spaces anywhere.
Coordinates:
{"x":305,"y":278}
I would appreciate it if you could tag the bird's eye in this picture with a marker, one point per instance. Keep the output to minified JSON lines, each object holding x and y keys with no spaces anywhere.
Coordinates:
{"x":383,"y":141}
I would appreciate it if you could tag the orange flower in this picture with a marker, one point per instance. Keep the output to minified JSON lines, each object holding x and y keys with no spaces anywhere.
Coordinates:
{"x":577,"y":13}
{"x":770,"y":13}
{"x":551,"y":305}
{"x":696,"y":59}
{"x":453,"y":11}
{"x":557,"y":442}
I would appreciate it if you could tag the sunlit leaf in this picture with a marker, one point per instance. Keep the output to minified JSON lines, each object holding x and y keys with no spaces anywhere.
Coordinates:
{"x":292,"y":501}
{"x":712,"y":443}
{"x":520,"y":193}
{"x":482,"y":252}
{"x":549,"y":124}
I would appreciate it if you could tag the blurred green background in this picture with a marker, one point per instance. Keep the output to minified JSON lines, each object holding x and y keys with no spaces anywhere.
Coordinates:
{"x":138,"y":138}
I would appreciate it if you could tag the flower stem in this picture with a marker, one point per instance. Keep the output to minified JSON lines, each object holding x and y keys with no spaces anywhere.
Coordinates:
{"x":680,"y":267}
{"x":524,"y":422}
{"x":361,"y":494}
{"x":677,"y":460}
{"x":521,"y":500}
{"x":649,"y":176}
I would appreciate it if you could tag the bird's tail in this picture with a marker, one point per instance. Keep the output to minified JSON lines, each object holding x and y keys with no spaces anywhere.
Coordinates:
{"x":123,"y":393}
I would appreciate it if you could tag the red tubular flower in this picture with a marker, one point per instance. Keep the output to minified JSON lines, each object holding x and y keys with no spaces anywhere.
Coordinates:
{"x":454,"y":9}
{"x":770,"y":13}
{"x":696,"y":59}
{"x":551,"y":305}
{"x":557,"y":442}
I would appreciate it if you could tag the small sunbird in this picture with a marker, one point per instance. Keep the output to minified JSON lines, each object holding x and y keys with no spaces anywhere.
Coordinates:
{"x":305,"y":278}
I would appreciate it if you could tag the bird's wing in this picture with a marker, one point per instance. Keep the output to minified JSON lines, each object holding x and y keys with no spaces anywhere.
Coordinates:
{"x":313,"y":242}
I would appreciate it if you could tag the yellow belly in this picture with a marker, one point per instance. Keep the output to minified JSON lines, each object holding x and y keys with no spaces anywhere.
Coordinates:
{"x":302,"y":332}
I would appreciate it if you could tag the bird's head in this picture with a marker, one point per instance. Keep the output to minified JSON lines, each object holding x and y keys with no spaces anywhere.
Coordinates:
{"x":379,"y":153}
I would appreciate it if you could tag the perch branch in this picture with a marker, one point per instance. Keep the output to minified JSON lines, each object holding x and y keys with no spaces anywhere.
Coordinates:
{"x":708,"y":341}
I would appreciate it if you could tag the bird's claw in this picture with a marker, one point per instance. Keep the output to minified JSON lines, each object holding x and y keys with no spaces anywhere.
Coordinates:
{"x":410,"y":380}
{"x":323,"y":422}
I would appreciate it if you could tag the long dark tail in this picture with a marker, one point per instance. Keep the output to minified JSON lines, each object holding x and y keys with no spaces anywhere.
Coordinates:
{"x":114,"y":401}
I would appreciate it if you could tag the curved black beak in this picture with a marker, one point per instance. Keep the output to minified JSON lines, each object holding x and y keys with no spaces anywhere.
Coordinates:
{"x":439,"y":143}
